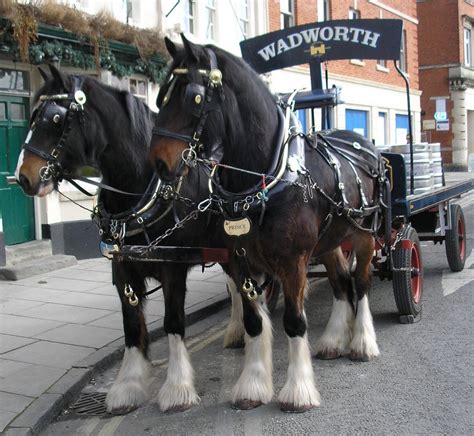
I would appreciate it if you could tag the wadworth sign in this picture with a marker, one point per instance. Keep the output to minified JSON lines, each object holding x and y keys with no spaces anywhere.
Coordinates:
{"x":327,"y":40}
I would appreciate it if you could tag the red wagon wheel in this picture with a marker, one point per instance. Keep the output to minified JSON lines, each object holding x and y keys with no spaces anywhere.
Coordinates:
{"x":455,"y":239}
{"x":408,"y":273}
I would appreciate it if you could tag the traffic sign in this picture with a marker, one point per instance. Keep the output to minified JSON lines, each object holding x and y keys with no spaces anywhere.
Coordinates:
{"x":440,"y":116}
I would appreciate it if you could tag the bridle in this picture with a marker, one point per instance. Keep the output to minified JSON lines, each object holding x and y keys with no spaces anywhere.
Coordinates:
{"x":61,"y":117}
{"x":199,"y":101}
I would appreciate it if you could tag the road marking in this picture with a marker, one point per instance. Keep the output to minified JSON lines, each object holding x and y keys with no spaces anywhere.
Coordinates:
{"x":109,"y":428}
{"x":452,"y":282}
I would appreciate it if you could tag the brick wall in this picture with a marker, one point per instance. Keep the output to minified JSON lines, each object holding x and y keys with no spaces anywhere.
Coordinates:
{"x":306,"y":12}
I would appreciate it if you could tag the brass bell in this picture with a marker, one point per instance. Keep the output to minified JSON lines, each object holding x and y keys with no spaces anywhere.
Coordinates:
{"x":247,"y":286}
{"x":133,"y":300}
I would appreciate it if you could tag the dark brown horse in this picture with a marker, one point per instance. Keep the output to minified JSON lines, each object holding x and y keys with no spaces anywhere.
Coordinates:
{"x":216,"y":112}
{"x":84,"y":122}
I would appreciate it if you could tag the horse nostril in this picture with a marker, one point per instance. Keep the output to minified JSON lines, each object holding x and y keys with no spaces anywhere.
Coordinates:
{"x":162,"y":169}
{"x":24,"y":183}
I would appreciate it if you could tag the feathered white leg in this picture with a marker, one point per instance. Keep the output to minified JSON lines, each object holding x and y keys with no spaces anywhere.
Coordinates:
{"x":338,"y":333}
{"x":129,"y":389}
{"x":178,"y":392}
{"x":255,"y":385}
{"x":364,"y":342}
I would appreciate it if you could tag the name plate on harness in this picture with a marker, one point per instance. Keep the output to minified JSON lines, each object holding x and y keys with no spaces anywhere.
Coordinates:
{"x":237,"y":227}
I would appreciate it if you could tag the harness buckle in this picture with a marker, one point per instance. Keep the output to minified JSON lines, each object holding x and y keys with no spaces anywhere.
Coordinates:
{"x":55,"y":153}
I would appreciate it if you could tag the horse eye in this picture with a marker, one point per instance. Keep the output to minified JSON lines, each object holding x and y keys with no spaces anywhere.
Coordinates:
{"x":56,"y":119}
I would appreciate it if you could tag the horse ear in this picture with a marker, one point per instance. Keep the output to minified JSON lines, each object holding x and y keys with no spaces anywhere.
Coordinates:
{"x":57,"y":75}
{"x":171,"y":47}
{"x":192,"y":50}
{"x":44,"y":74}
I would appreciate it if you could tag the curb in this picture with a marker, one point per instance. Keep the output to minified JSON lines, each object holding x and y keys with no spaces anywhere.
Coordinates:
{"x":61,"y":394}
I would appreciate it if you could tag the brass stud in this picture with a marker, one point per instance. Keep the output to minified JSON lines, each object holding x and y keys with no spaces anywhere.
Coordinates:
{"x":215,"y":76}
{"x":198,"y":99}
{"x":56,"y":118}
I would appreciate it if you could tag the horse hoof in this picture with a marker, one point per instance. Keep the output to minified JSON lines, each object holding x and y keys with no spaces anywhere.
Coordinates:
{"x":246,"y":404}
{"x":179,"y":408}
{"x":360,"y":357}
{"x":329,"y":354}
{"x":293,"y":408}
{"x":123,"y":410}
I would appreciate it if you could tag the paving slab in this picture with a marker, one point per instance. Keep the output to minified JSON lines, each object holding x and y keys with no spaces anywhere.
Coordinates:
{"x":49,"y":354}
{"x":5,"y":418}
{"x":32,"y":380}
{"x":9,"y":343}
{"x":9,"y":367}
{"x":94,"y":301}
{"x":84,"y":335}
{"x":27,"y":327}
{"x":30,"y":293}
{"x":66,"y":314}
{"x":14,"y":402}
{"x":14,"y":306}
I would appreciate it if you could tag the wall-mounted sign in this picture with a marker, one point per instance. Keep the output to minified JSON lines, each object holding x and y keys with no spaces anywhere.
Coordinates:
{"x":442,"y":126}
{"x":429,"y":124}
{"x":440,"y":116}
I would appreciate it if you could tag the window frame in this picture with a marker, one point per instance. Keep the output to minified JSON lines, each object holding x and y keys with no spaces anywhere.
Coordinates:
{"x":287,"y":14}
{"x":403,"y":59}
{"x":467,"y":47}
{"x":211,"y":19}
{"x":190,"y":18}
{"x":142,"y":97}
{"x":244,"y":17}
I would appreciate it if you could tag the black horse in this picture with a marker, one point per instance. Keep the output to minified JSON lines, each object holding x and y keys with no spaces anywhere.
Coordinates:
{"x":79,"y":121}
{"x":288,"y":202}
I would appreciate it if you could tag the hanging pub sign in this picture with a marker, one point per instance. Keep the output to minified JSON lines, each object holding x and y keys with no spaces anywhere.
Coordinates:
{"x":326,"y":40}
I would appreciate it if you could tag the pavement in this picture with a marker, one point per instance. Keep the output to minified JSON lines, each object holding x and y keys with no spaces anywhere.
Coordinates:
{"x":58,"y":329}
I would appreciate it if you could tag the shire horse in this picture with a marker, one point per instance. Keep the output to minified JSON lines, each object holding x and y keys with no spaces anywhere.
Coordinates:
{"x":212,"y":100}
{"x":79,"y":121}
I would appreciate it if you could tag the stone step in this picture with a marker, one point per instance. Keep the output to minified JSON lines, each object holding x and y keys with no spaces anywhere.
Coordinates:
{"x":28,"y":251}
{"x":33,"y":267}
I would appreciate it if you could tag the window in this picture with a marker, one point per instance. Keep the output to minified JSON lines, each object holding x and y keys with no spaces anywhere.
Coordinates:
{"x":244,"y":17}
{"x":403,"y":51}
{"x":356,"y":120}
{"x":381,"y":132}
{"x":401,"y":128}
{"x":354,"y":14}
{"x":211,"y":18}
{"x":323,"y":10}
{"x":138,"y":88}
{"x":467,"y":47}
{"x":287,"y":13}
{"x":382,"y":63}
{"x":12,"y":80}
{"x":189,"y":14}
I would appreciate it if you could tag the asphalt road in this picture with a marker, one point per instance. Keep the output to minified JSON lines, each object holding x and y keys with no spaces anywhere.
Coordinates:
{"x":422,"y":383}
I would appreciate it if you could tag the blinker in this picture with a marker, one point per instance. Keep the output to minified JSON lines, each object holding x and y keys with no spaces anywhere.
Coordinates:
{"x":193,"y":97}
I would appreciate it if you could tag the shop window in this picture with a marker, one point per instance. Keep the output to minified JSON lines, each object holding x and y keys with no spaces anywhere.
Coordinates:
{"x":381,"y":133}
{"x":356,"y":120}
{"x":12,"y":80}
{"x":401,"y":128}
{"x":324,"y":9}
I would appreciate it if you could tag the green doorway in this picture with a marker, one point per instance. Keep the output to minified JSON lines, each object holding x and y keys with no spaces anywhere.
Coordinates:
{"x":16,"y":211}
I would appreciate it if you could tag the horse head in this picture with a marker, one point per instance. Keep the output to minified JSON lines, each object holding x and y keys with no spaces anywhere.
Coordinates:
{"x":212,"y":105}
{"x":55,"y":142}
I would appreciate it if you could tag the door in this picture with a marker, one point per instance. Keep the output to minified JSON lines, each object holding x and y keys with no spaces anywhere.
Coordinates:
{"x":16,"y":209}
{"x":356,"y":120}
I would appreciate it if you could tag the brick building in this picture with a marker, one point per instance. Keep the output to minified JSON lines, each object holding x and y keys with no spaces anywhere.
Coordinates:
{"x":373,"y":92}
{"x":447,"y":77}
